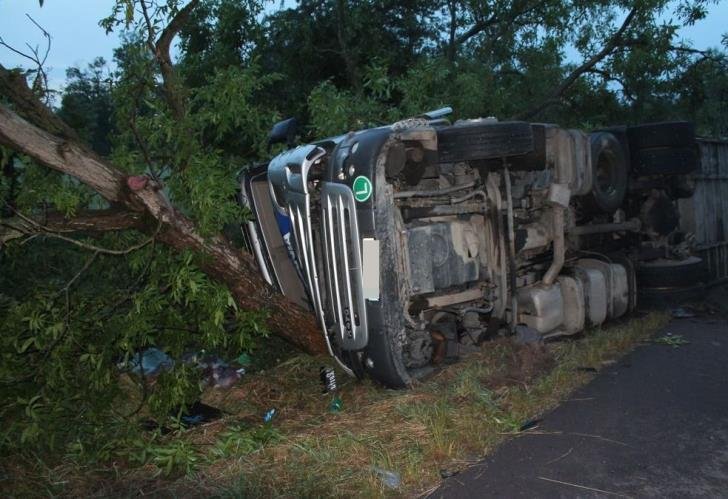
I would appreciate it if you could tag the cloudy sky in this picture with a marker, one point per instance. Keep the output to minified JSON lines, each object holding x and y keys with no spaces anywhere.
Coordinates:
{"x":78,"y":39}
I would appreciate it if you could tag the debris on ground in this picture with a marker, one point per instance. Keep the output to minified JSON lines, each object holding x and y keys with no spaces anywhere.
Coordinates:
{"x":530,"y":424}
{"x":682,"y":313}
{"x":587,"y":369}
{"x":447,"y":473}
{"x":390,"y":479}
{"x":269,"y":415}
{"x":192,"y":415}
{"x":673,"y":340}
{"x":336,"y":404}
{"x":153,"y":363}
{"x":244,"y":360}
{"x":527,"y":335}
{"x":216,"y":372}
{"x":328,"y":379}
{"x":198,"y":413}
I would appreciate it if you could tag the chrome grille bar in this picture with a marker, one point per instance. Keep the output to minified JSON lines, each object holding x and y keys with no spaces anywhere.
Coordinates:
{"x":342,"y":256}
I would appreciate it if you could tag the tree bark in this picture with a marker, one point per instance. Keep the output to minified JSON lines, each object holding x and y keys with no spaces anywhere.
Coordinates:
{"x":219,"y":260}
{"x":160,"y":48}
{"x":86,"y":221}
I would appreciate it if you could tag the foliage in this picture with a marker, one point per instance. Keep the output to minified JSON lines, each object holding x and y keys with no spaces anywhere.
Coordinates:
{"x":86,"y":104}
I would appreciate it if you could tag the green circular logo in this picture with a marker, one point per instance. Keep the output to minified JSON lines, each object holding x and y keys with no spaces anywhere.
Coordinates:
{"x":362,"y":188}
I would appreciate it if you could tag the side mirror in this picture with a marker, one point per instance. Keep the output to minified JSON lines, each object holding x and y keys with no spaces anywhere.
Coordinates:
{"x":284,"y":132}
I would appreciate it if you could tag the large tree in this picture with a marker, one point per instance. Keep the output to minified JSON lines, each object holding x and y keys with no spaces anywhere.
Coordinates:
{"x":30,"y":128}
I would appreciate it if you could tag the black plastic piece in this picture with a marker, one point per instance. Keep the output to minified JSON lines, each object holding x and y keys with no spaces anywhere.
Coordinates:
{"x":284,"y":132}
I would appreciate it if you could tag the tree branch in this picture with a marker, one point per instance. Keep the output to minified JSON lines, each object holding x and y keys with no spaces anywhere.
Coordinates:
{"x":476,"y":29}
{"x":218,"y":259}
{"x":65,"y":156}
{"x":557,"y":92}
{"x":85,"y":221}
{"x":161,"y":47}
{"x":14,"y":87}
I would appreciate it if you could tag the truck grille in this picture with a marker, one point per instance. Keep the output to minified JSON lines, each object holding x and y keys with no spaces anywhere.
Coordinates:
{"x":343,"y":272}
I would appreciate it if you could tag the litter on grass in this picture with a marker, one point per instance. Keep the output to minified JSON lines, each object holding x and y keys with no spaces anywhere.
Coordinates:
{"x":673,"y":340}
{"x":199,"y":413}
{"x":216,"y":372}
{"x":336,"y":404}
{"x":268,"y":416}
{"x":328,"y":379}
{"x":390,"y":479}
{"x":151,"y":362}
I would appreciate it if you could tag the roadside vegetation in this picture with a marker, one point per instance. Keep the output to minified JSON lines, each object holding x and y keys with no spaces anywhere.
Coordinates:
{"x":379,"y":442}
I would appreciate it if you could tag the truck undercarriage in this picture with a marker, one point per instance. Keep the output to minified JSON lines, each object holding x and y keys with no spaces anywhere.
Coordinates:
{"x":413,"y":243}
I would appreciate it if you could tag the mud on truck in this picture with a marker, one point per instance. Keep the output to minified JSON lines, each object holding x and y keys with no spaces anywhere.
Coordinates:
{"x":413,"y":243}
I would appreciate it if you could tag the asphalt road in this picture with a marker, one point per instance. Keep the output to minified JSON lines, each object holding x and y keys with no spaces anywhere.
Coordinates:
{"x":655,"y":424}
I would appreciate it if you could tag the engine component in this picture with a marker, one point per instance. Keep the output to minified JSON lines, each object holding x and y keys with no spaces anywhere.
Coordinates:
{"x":659,"y":215}
{"x":682,"y":186}
{"x":568,"y":152}
{"x":609,"y":173}
{"x":632,"y":225}
{"x":541,"y":307}
{"x":594,"y":287}
{"x":629,"y":267}
{"x":572,"y":294}
{"x":483,"y":139}
{"x":616,"y":285}
{"x":442,"y":255}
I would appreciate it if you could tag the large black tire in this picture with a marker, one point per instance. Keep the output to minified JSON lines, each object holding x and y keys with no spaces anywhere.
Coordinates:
{"x":620,"y":132}
{"x":672,"y":273}
{"x":609,"y":173}
{"x":474,"y":140}
{"x":666,"y":134}
{"x":665,"y":160}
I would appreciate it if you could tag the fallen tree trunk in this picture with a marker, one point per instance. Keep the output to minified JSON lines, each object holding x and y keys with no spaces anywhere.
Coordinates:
{"x":219,"y":260}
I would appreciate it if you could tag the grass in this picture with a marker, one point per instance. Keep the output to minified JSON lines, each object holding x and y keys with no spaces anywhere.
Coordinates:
{"x":443,"y":424}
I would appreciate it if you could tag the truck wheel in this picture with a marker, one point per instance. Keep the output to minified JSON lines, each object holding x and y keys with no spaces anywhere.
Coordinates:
{"x":481,"y":139}
{"x":665,"y":160}
{"x":671,"y":273}
{"x":663,"y":148}
{"x":609,"y":170}
{"x":667,"y":134}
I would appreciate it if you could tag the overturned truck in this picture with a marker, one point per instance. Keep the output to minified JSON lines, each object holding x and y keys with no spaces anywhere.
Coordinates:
{"x":415,"y":242}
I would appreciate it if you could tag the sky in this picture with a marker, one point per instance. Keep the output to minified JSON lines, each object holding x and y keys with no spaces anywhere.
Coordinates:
{"x":77,"y":38}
